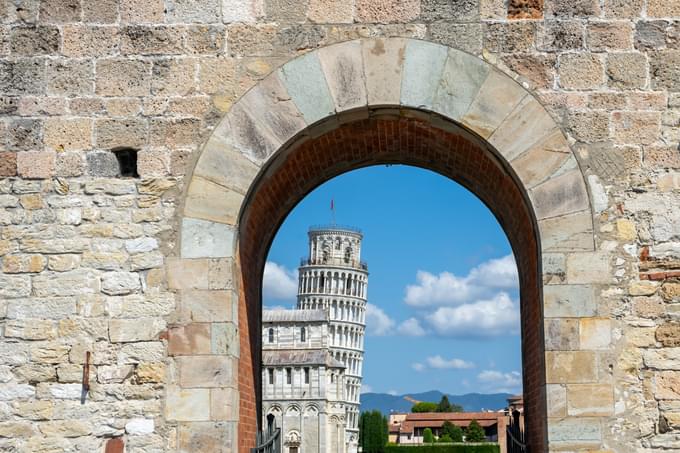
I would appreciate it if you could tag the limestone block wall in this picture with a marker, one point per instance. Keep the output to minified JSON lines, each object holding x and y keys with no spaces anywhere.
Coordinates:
{"x":89,"y":261}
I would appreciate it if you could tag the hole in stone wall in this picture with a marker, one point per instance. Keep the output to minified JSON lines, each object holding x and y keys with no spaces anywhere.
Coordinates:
{"x":127,"y":162}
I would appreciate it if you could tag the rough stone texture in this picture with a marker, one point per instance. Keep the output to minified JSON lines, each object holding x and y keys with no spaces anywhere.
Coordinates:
{"x":85,"y":259}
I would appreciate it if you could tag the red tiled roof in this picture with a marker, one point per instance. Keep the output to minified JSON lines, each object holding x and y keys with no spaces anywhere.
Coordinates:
{"x":437,"y":419}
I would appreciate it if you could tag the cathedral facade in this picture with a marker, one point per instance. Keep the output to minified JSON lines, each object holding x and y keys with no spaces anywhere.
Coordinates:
{"x":312,"y":356}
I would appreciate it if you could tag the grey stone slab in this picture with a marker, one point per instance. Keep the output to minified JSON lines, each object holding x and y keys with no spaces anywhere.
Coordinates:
{"x":224,"y":165}
{"x":209,"y":201}
{"x":527,"y":125}
{"x":565,"y":194}
{"x":383,"y":67}
{"x":423,"y":66}
{"x":270,"y":104}
{"x":206,"y":239}
{"x":498,"y":96}
{"x":542,"y":160}
{"x":344,"y":69}
{"x":569,"y":301}
{"x":577,"y":430}
{"x":461,"y":79}
{"x":572,"y":232}
{"x":249,"y":135}
{"x":305,"y":81}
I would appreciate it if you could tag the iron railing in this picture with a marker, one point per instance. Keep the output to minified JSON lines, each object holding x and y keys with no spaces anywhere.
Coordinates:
{"x":334,"y":263}
{"x":516,"y":441}
{"x":268,"y":440}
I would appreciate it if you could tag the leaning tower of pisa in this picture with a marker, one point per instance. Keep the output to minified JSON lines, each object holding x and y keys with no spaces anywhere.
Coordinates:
{"x":334,"y":278}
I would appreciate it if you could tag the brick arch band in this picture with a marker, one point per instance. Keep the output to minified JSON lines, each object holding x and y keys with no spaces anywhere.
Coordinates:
{"x":343,"y":107}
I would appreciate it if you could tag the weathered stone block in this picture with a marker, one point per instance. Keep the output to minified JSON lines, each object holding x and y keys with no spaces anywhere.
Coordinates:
{"x":60,"y":11}
{"x":595,"y":333}
{"x":222,"y":164}
{"x":101,"y":12}
{"x":344,"y":71}
{"x":207,"y":371}
{"x":187,"y":273}
{"x":383,"y":87}
{"x":68,"y":134}
{"x":642,"y":288}
{"x":123,"y":77}
{"x":35,"y":164}
{"x":577,"y":431}
{"x":32,"y":41}
{"x":330,"y":11}
{"x":636,"y":127}
{"x":55,"y":308}
{"x":72,"y":283}
{"x":206,"y":239}
{"x":509,"y":37}
{"x":224,"y":404}
{"x":151,"y":372}
{"x":606,"y":36}
{"x":151,"y":40}
{"x":559,"y":196}
{"x":192,"y":11}
{"x":627,"y":71}
{"x":225,"y":339}
{"x":184,"y":404}
{"x":191,"y":339}
{"x":560,"y":35}
{"x":459,"y":11}
{"x":70,"y":77}
{"x":131,"y":330}
{"x":24,"y":134}
{"x":571,"y":8}
{"x":119,"y":283}
{"x":174,"y":132}
{"x":662,"y":359}
{"x":498,"y":96}
{"x":585,"y":400}
{"x":556,"y":396}
{"x":218,"y":437}
{"x":386,"y":11}
{"x":17,"y":264}
{"x":8,"y":164}
{"x":564,"y":367}
{"x":668,"y":334}
{"x":581,"y":71}
{"x":667,"y":385}
{"x":664,"y":70}
{"x":462,"y":77}
{"x":306,"y":84}
{"x":96,"y":41}
{"x":209,"y":201}
{"x":114,"y":133}
{"x":208,"y":306}
{"x":660,"y":8}
{"x":423,"y":66}
{"x":623,"y":9}
{"x":173,"y":77}
{"x":133,"y":11}
{"x":561,"y":334}
{"x":22,"y":76}
{"x":542,"y":160}
{"x":246,"y":40}
{"x":585,"y":268}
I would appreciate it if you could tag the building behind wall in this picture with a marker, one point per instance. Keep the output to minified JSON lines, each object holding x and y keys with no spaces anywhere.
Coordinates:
{"x":312,"y":356}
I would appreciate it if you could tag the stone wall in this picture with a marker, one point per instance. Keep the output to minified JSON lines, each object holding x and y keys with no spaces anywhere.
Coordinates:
{"x":86,"y":257}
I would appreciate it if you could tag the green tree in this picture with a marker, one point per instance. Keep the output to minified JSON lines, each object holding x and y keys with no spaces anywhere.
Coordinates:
{"x":474,"y":432}
{"x":446,"y":406}
{"x":373,"y":432}
{"x":453,"y":431}
{"x":445,"y":438}
{"x":428,"y":438}
{"x":424,"y":406}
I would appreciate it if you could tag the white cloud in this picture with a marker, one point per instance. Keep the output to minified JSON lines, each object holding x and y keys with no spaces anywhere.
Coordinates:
{"x":392,"y":392}
{"x":496,"y":316}
{"x":449,"y":289}
{"x":497,"y":381}
{"x":365,"y":388}
{"x":441,"y":363}
{"x":418,"y":366}
{"x":278,"y":282}
{"x":411,"y":328}
{"x":377,"y":321}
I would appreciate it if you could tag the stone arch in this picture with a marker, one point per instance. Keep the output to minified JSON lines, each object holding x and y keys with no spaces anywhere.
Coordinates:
{"x":394,"y":100}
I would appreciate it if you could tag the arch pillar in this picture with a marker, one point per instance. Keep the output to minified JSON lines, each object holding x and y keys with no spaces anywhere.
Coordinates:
{"x":401,"y":101}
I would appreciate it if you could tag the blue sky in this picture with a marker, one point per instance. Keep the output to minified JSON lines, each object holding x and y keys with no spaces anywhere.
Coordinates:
{"x":444,"y":311}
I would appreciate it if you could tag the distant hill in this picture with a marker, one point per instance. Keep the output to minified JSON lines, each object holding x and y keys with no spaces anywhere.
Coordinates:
{"x":471,"y":402}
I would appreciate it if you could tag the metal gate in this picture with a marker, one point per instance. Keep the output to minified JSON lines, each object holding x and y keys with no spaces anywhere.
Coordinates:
{"x":516,"y":442}
{"x":269,"y":439}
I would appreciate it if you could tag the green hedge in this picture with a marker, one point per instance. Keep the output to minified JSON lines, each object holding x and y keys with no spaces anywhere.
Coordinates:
{"x":451,"y":448}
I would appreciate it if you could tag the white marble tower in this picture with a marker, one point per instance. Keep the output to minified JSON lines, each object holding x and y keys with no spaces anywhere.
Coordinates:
{"x":333,"y":278}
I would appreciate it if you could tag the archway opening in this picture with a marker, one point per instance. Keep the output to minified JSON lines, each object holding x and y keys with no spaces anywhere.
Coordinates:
{"x":389,"y":137}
